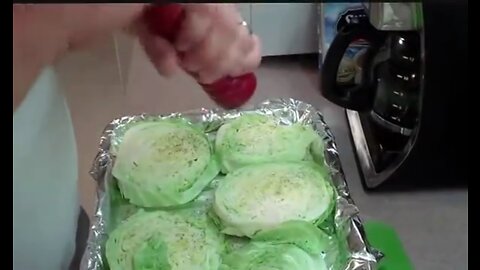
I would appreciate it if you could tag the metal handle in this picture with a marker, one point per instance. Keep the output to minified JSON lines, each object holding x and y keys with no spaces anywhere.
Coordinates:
{"x":359,"y":97}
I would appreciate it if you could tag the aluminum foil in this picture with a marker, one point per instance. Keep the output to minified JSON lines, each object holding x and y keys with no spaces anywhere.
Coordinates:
{"x":347,"y":221}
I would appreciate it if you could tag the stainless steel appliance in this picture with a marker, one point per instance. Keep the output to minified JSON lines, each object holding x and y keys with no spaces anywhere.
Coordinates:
{"x":407,"y":110}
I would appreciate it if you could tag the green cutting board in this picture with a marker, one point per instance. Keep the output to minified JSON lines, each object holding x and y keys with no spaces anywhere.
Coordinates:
{"x":385,"y":239}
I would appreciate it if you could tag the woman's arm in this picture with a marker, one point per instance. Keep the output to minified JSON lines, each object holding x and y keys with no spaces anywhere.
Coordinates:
{"x":44,"y":33}
{"x":212,"y":40}
{"x":34,"y":47}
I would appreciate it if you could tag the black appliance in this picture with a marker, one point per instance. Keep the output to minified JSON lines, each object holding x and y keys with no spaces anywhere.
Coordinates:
{"x":408,"y":114}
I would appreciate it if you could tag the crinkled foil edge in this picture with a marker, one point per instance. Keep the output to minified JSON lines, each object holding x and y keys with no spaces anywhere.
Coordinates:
{"x":362,"y":256}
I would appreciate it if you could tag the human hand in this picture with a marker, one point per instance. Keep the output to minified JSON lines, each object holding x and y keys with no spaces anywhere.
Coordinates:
{"x":212,"y":41}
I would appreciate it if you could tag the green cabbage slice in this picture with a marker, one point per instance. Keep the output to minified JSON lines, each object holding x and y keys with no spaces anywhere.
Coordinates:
{"x":164,"y":163}
{"x":269,"y":256}
{"x":261,"y":197}
{"x":163,"y":240}
{"x":152,"y":255}
{"x":293,"y":245}
{"x":300,"y":233}
{"x":255,"y":138}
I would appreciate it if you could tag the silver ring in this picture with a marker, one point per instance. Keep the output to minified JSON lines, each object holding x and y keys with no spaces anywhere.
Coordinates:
{"x":245,"y":24}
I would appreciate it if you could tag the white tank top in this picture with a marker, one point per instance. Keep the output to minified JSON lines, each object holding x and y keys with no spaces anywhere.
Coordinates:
{"x":45,"y":202}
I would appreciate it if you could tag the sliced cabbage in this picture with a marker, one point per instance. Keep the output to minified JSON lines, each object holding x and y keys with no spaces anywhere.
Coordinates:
{"x":256,"y":138}
{"x":303,"y":234}
{"x":233,"y":243}
{"x":151,"y":255}
{"x":184,"y":239}
{"x":164,"y":163}
{"x":261,"y":197}
{"x":120,"y":208}
{"x":293,"y":245}
{"x":269,"y":256}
